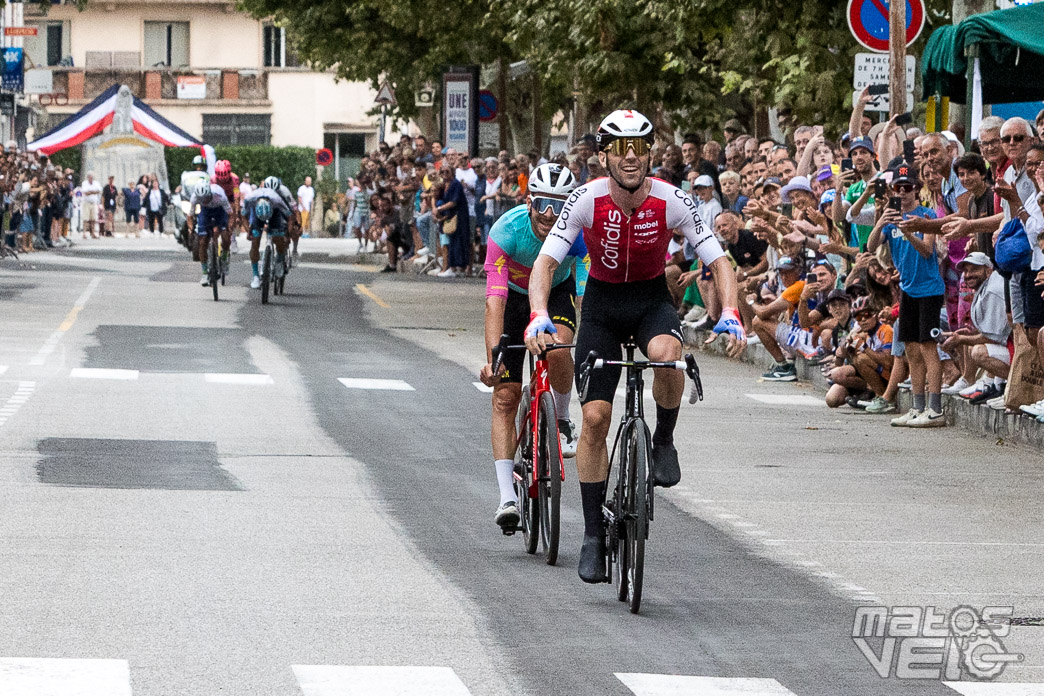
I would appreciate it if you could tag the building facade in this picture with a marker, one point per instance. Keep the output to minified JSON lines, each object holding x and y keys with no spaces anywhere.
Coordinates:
{"x":213,"y":71}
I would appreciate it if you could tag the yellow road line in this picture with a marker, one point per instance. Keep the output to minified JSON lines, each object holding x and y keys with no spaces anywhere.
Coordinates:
{"x":369,"y":293}
{"x":70,"y":319}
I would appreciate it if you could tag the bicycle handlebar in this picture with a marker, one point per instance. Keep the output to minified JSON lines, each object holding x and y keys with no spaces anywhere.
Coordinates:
{"x":688,"y":365}
{"x":502,"y":347}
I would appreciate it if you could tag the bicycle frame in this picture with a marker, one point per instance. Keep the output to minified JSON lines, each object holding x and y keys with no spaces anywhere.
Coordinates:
{"x":539,"y":384}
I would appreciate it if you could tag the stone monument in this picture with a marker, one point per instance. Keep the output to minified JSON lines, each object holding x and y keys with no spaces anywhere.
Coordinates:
{"x":121,"y":152}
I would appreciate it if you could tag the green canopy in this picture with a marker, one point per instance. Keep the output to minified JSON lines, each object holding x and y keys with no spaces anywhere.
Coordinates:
{"x":1011,"y":56}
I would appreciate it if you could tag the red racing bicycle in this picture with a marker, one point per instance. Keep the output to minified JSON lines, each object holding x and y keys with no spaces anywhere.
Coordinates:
{"x":539,"y":469}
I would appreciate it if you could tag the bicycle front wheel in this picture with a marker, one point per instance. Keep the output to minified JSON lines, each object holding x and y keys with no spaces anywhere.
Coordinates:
{"x":266,"y":273}
{"x":528,"y":507}
{"x":213,"y":266}
{"x":549,"y":476}
{"x":636,"y":504}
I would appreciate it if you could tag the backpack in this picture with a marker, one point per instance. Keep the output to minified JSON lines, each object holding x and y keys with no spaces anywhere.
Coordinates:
{"x":1013,"y":253}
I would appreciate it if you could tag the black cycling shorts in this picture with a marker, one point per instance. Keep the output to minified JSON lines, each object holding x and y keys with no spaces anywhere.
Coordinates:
{"x":614,"y":312}
{"x":561,"y":306}
{"x":918,"y":316}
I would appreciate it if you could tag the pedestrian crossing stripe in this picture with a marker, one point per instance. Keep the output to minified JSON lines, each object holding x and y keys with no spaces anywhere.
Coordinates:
{"x":3,"y":369}
{"x":375,"y":384}
{"x":787,"y":399}
{"x":331,"y":680}
{"x":102,"y":373}
{"x":676,"y":685}
{"x":237,"y":378}
{"x":58,"y":677}
{"x":483,"y":388}
{"x":988,"y":689}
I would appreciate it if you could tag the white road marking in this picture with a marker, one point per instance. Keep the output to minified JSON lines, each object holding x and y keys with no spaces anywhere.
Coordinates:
{"x":483,"y":388}
{"x":982,"y":689}
{"x":11,"y":406}
{"x":383,"y":384}
{"x":237,"y":378}
{"x":103,"y":373}
{"x":53,"y":677}
{"x":334,"y":680}
{"x":671,"y":685}
{"x":51,"y":343}
{"x":787,"y":399}
{"x":3,"y":369}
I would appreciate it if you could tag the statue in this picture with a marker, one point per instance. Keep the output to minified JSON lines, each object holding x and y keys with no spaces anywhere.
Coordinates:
{"x":122,"y":120}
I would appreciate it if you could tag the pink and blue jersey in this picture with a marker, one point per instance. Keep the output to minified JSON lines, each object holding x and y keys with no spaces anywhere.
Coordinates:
{"x":512,"y":249}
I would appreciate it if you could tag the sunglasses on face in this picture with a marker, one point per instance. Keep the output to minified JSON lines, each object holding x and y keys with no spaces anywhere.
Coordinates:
{"x":620,"y":146}
{"x":1009,"y":139}
{"x":541,"y":204}
{"x":864,"y":315}
{"x":903,"y":188}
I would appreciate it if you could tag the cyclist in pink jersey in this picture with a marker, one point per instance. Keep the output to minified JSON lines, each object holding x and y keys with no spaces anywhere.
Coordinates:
{"x":627,"y":219}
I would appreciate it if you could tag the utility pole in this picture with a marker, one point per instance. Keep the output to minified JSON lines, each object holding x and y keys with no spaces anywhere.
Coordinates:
{"x":897,"y":56}
{"x":960,"y":11}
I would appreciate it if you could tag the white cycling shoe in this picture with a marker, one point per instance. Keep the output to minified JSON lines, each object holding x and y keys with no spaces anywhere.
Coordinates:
{"x":205,"y":281}
{"x":255,"y":283}
{"x":568,"y":438}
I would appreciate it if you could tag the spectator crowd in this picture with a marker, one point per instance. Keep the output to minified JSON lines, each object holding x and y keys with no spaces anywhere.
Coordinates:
{"x":892,"y":258}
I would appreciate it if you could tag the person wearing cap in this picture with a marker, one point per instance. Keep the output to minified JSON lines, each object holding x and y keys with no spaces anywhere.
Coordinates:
{"x":987,"y":337}
{"x":706,"y":204}
{"x":731,"y":129}
{"x":777,"y":336}
{"x":921,"y":302}
{"x":838,"y":307}
{"x":851,"y":184}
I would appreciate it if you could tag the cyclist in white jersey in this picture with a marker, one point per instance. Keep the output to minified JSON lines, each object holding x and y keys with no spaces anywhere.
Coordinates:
{"x":627,"y":221}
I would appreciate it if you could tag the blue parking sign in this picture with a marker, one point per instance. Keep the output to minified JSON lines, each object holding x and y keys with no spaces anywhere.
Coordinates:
{"x":13,"y":76}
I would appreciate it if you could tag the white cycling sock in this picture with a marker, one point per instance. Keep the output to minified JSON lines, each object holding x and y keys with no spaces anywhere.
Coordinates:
{"x":562,"y":403}
{"x":506,"y":480}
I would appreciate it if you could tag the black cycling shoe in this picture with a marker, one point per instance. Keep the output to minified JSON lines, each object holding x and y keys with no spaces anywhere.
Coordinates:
{"x":665,"y":468}
{"x":592,"y":559}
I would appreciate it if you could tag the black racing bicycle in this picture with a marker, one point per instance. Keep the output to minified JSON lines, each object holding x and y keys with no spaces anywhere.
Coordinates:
{"x":630,"y":510}
{"x":268,"y":265}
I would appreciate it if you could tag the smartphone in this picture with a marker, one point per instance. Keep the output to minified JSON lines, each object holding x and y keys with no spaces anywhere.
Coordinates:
{"x":908,"y":151}
{"x":895,"y":203}
{"x":880,"y":188}
{"x":904,"y":119}
{"x":877,"y":89}
{"x":787,"y":209}
{"x":846,"y":164}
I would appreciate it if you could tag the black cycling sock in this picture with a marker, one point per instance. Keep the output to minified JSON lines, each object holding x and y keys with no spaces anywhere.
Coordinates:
{"x":592,"y":495}
{"x":666,"y":419}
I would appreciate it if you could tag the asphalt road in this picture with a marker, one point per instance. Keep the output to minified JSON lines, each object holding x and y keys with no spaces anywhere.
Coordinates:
{"x":197,"y":498}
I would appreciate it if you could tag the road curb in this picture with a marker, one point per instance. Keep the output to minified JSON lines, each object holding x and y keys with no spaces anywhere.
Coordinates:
{"x":981,"y":420}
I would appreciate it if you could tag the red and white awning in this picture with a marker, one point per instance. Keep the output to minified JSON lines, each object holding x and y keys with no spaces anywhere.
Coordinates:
{"x":92,"y":119}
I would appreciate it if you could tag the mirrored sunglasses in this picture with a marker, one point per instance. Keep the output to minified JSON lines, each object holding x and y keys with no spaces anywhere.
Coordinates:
{"x":619,"y":146}
{"x":541,"y":204}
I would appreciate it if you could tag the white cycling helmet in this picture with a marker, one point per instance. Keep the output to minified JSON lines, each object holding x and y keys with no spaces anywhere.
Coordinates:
{"x":272,"y":182}
{"x":203,"y":190}
{"x":551,"y":180}
{"x":197,"y":161}
{"x":624,"y":123}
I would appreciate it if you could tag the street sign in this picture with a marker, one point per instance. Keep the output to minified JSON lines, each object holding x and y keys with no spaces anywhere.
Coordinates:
{"x":385,"y":96}
{"x":192,"y":87}
{"x":324,"y":157}
{"x":424,"y":97}
{"x":868,"y":20}
{"x":883,"y":103}
{"x":872,"y":69}
{"x":460,"y":108}
{"x":488,"y":106}
{"x":20,"y":31}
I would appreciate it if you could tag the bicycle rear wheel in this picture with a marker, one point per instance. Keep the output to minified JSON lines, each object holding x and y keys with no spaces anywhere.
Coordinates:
{"x":637,"y":519}
{"x":214,"y":266}
{"x":549,"y":469}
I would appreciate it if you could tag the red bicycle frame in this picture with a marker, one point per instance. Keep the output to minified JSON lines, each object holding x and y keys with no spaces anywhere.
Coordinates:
{"x":539,"y":384}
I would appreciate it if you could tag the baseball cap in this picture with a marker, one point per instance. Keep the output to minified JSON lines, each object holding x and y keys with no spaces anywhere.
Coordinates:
{"x":865,"y":143}
{"x":825,"y":172}
{"x":772,"y":181}
{"x":952,"y":137}
{"x":703,"y":180}
{"x":904,"y":174}
{"x":976,"y":258}
{"x":787,"y":263}
{"x":734,"y":125}
{"x":797,"y":183}
{"x":827,"y":198}
{"x":838,"y":294}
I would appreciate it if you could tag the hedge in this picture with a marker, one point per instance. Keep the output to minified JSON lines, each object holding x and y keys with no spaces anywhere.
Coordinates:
{"x":291,"y":164}
{"x":70,"y":158}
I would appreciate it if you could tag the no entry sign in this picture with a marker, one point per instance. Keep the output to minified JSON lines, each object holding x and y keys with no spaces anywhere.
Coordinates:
{"x":868,"y":20}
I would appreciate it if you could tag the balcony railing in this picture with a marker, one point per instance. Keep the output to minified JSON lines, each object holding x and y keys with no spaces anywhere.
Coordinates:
{"x":152,"y":84}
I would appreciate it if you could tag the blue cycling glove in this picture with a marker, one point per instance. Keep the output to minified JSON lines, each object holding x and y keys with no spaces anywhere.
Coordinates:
{"x":540,"y":322}
{"x":730,"y":323}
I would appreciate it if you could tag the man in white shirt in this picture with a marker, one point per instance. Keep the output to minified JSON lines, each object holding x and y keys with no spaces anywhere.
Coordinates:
{"x":305,"y":198}
{"x":467,"y":177}
{"x":91,"y":190}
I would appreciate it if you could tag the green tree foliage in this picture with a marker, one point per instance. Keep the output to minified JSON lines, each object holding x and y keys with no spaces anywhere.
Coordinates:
{"x":689,"y":63}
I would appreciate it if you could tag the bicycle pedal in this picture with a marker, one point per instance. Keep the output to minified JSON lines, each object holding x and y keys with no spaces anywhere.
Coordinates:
{"x":506,"y":531}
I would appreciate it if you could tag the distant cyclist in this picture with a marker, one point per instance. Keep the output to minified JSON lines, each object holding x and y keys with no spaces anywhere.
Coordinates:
{"x":514,"y":244}
{"x":276,"y":214}
{"x":229,"y":183}
{"x":627,"y":221}
{"x":213,"y":215}
{"x":294,"y":221}
{"x":190,"y":179}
